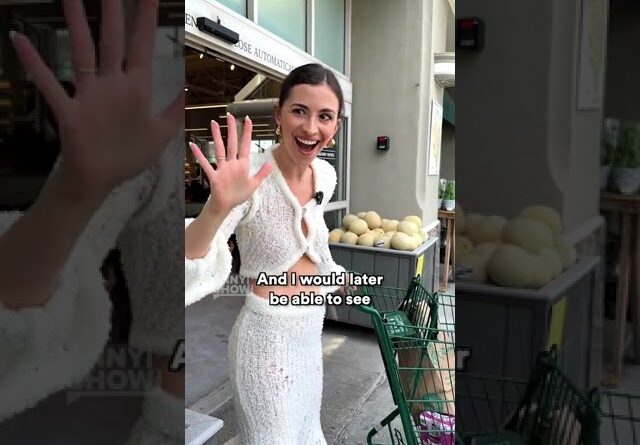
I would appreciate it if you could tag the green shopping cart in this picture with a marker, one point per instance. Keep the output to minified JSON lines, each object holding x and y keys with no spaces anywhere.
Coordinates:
{"x":546,"y":409}
{"x":416,"y":335}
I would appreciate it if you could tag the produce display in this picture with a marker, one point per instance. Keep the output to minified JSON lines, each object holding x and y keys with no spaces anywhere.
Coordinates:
{"x":369,"y":229}
{"x":527,"y":251}
{"x":349,"y":238}
{"x":335,"y":235}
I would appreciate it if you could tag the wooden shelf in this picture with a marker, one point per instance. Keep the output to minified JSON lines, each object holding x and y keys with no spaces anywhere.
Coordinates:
{"x":617,"y":202}
{"x":628,"y":286}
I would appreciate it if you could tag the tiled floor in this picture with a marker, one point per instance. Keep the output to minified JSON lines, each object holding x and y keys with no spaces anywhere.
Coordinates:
{"x":630,"y":383}
{"x":624,"y":403}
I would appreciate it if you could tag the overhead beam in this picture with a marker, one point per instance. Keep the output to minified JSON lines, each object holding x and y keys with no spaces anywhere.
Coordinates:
{"x":250,"y":87}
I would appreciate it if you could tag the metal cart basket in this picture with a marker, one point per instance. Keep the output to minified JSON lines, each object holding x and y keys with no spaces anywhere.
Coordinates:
{"x":546,"y":409}
{"x":416,"y":334}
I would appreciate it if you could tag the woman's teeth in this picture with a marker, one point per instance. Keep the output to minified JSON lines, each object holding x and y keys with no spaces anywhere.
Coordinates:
{"x":306,"y":144}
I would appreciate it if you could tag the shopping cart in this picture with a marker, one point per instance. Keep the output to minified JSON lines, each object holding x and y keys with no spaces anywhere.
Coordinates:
{"x":416,"y":334}
{"x":546,"y":409}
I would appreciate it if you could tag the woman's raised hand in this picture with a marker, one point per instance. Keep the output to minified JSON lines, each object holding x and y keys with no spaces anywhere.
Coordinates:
{"x":230,"y":182}
{"x":107,"y":130}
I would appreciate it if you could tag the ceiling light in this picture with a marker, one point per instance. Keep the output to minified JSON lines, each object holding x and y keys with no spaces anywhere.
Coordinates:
{"x":232,"y":67}
{"x":201,"y":55}
{"x":186,"y":88}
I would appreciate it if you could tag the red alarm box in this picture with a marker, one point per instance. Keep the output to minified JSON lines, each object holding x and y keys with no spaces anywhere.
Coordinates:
{"x":383,"y":142}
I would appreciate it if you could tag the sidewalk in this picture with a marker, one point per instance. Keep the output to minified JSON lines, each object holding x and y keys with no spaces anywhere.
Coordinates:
{"x":356,"y":394}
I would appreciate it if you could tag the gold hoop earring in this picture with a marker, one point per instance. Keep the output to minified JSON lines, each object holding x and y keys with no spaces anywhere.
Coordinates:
{"x":278,"y":131}
{"x":332,"y":143}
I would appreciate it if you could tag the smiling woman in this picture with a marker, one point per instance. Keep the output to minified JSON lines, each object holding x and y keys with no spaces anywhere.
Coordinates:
{"x":308,"y":129}
{"x":270,"y":201}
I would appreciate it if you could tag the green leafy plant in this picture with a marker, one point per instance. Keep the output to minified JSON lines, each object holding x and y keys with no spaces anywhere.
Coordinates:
{"x":450,"y":190}
{"x":627,"y":155}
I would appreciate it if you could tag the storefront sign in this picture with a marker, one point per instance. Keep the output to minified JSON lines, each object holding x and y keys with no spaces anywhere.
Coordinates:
{"x":258,"y":53}
{"x":249,"y":49}
{"x":254,"y":45}
{"x":257,"y":46}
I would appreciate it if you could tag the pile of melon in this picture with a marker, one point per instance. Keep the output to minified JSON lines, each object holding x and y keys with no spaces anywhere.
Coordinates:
{"x":368,"y":229}
{"x":527,"y":251}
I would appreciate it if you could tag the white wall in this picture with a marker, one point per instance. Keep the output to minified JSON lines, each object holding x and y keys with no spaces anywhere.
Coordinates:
{"x":501,"y":109}
{"x":521,"y":139}
{"x":392,"y":75}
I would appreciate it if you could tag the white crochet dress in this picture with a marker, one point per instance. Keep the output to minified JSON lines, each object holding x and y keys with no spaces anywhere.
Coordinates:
{"x":275,"y":352}
{"x":275,"y":356}
{"x":49,"y":348}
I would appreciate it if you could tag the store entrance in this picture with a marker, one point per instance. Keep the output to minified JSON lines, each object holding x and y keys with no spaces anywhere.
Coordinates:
{"x":215,"y":86}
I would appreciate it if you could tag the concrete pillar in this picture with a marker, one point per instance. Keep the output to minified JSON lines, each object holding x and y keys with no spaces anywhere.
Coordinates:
{"x":392,"y":74}
{"x":523,"y":139}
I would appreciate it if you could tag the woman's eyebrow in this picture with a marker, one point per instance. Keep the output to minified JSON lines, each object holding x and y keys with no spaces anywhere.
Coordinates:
{"x":324,"y":110}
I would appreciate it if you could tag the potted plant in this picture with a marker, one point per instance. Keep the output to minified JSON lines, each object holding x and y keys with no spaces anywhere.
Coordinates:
{"x":443,"y":185}
{"x":449,"y":197}
{"x":626,"y":165}
{"x":610,"y":141}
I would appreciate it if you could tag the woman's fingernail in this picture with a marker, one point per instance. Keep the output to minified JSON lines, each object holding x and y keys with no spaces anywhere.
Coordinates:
{"x":246,"y":118}
{"x":214,"y":123}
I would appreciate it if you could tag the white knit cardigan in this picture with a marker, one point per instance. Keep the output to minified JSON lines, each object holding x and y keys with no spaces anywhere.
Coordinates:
{"x":45,"y":349}
{"x":268,"y":232}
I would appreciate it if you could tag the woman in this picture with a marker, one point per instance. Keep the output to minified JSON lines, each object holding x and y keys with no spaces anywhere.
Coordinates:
{"x":114,"y":176}
{"x":275,"y":204}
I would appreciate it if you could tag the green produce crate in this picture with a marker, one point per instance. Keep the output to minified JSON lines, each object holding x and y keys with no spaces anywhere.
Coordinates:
{"x":517,"y":323}
{"x":397,"y":267}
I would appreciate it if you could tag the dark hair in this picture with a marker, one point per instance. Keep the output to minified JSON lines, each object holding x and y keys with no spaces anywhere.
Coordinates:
{"x":311,"y":74}
{"x":120,"y":300}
